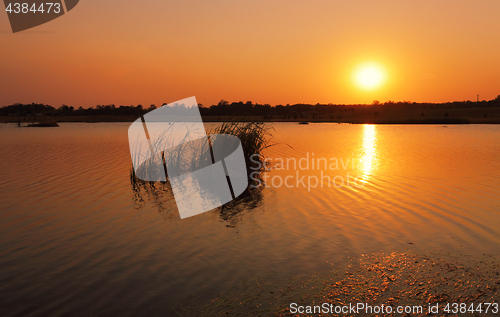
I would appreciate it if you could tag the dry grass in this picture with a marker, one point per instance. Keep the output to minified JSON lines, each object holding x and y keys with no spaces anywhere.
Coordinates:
{"x":254,"y":137}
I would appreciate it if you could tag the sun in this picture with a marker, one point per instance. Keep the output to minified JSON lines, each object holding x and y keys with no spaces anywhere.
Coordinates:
{"x":369,"y":76}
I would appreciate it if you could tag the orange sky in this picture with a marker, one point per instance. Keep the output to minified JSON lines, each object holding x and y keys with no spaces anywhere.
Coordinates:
{"x":154,"y":51}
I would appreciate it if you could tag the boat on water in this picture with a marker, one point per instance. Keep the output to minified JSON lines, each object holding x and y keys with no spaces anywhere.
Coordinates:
{"x":304,"y":122}
{"x":42,"y":125}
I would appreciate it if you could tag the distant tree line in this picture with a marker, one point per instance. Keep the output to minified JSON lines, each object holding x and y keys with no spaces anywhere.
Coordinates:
{"x":224,"y":108}
{"x":34,"y":109}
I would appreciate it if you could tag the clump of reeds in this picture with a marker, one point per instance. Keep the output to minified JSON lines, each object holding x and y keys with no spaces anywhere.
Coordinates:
{"x":254,"y":138}
{"x":189,"y":156}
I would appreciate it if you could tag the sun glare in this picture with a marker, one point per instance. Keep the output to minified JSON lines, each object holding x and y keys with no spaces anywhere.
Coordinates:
{"x":369,"y":76}
{"x":369,"y":149}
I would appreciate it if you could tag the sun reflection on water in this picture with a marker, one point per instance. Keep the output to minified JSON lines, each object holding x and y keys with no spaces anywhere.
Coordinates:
{"x":369,"y":150}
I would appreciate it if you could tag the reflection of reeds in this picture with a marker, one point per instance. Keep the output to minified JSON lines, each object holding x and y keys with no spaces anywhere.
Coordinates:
{"x":189,"y":156}
{"x":159,"y":193}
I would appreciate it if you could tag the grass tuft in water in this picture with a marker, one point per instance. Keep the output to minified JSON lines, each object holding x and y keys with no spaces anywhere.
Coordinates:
{"x":255,"y":138}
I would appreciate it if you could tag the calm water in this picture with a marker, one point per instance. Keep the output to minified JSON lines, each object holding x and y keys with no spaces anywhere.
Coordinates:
{"x":75,"y":239}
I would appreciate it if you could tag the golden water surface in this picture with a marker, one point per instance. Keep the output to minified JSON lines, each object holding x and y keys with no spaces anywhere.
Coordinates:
{"x":75,"y":239}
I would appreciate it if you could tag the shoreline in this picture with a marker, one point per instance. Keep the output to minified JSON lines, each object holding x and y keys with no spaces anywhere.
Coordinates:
{"x":386,"y":121}
{"x":406,"y":277}
{"x":368,"y":114}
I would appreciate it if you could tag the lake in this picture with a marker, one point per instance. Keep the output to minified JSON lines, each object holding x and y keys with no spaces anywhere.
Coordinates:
{"x":75,"y":239}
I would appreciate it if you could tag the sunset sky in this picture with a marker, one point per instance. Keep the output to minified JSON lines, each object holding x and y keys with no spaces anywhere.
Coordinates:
{"x":278,"y":52}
